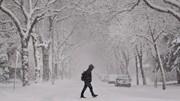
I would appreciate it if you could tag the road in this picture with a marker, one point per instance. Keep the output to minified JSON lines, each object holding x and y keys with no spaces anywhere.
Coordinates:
{"x":69,"y":90}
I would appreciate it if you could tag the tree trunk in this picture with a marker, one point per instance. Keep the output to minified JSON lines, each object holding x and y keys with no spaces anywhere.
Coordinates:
{"x":36,"y":61}
{"x":137,"y":71}
{"x":142,"y":70}
{"x":155,"y":77}
{"x":25,"y":62}
{"x":34,"y":49}
{"x":52,"y":48}
{"x":56,"y":70}
{"x":161,"y":67}
{"x":178,"y":77}
{"x":46,"y":70}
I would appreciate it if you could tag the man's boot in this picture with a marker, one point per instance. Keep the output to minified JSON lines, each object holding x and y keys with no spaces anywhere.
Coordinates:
{"x":92,"y":92}
{"x":82,"y":96}
{"x":94,"y":95}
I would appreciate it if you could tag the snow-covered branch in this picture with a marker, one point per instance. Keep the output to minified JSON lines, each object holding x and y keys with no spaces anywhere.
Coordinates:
{"x":35,"y":4}
{"x":163,"y":9}
{"x":141,"y":36}
{"x":17,"y":2}
{"x":23,"y":9}
{"x":31,"y":25}
{"x":125,"y":10}
{"x":67,"y":38}
{"x":59,"y":10}
{"x":7,"y":30}
{"x":64,"y":18}
{"x":5,"y":21}
{"x":139,"y":51}
{"x":51,"y":2}
{"x":157,"y":37}
{"x":30,"y":6}
{"x":45,"y":44}
{"x":37,"y":8}
{"x":173,"y":2}
{"x":13,"y":17}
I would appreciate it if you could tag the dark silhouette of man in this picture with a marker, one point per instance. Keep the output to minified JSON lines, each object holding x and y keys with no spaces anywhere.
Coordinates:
{"x":87,"y":78}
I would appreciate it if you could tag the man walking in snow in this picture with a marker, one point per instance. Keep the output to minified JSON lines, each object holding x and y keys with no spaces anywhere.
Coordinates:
{"x":87,"y":78}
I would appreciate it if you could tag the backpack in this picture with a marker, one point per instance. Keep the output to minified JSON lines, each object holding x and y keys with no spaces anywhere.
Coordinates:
{"x":83,"y":76}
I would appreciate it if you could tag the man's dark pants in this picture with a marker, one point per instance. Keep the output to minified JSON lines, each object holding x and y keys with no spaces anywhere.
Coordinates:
{"x":87,"y":84}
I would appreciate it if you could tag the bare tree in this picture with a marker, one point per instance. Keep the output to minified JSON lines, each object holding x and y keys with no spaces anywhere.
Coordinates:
{"x":139,"y":52}
{"x":152,"y":38}
{"x":137,"y":69}
{"x":122,"y":57}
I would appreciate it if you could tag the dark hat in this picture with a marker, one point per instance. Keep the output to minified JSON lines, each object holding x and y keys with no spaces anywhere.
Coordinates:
{"x":91,"y":66}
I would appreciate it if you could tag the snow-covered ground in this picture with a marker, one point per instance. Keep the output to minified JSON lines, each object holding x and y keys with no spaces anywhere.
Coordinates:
{"x":69,"y":90}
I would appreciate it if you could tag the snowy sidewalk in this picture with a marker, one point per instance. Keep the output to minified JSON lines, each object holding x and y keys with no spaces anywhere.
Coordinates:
{"x":67,"y":90}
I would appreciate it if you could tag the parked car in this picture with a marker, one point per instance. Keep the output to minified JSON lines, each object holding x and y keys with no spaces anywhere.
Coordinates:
{"x":123,"y":81}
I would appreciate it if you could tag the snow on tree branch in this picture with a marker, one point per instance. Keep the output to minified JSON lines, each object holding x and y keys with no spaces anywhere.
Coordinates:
{"x":135,"y":4}
{"x":65,"y":17}
{"x":17,"y":2}
{"x":163,"y":9}
{"x":34,"y":21}
{"x":30,"y":6}
{"x":160,"y":33}
{"x":158,"y":8}
{"x":22,"y":7}
{"x":67,"y":38}
{"x":141,"y":36}
{"x":173,"y":2}
{"x":44,"y":44}
{"x":7,"y":30}
{"x":51,"y":2}
{"x":59,"y":10}
{"x":35,"y":4}
{"x":13,"y":17}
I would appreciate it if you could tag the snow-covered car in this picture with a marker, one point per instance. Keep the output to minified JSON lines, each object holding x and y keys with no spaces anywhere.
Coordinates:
{"x":123,"y":81}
